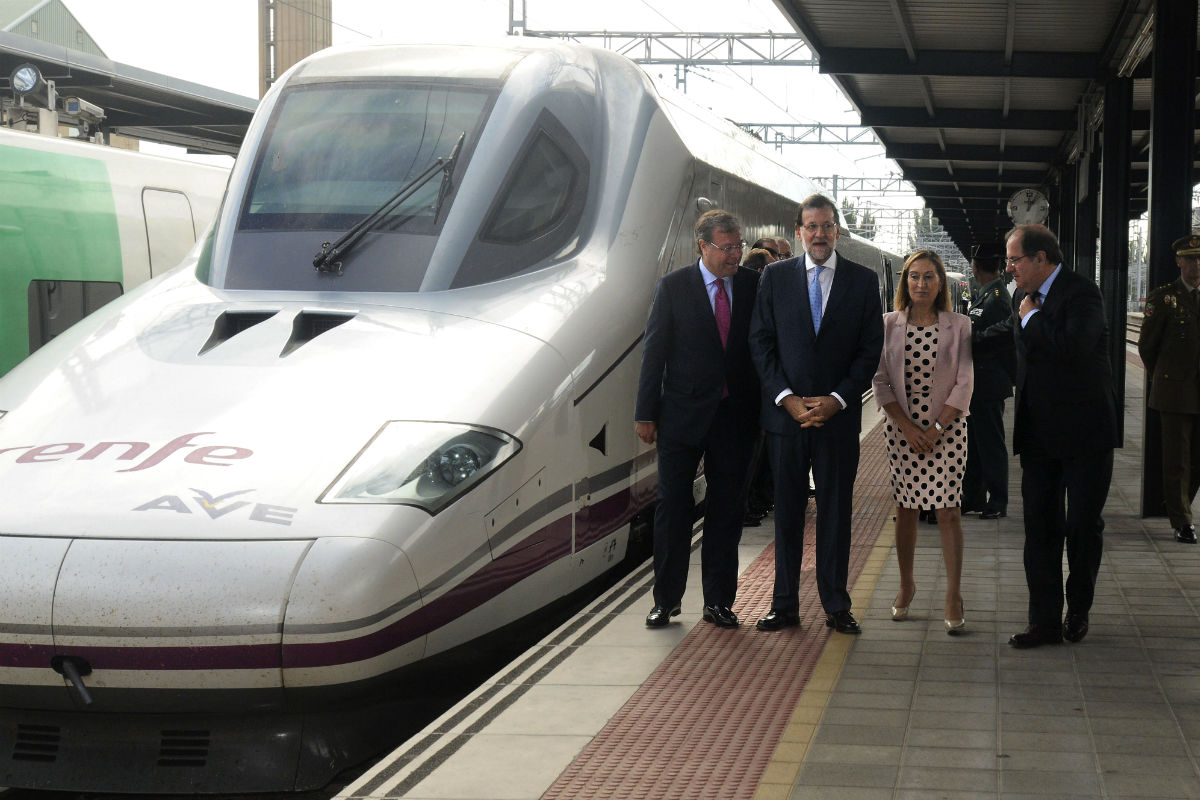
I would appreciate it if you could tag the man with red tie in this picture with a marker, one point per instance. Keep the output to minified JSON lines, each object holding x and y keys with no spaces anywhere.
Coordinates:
{"x":698,"y":398}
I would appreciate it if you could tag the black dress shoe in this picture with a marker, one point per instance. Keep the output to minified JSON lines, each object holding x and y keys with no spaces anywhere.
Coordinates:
{"x":775,"y":620}
{"x":970,"y":508}
{"x":1186,"y":534}
{"x":751,"y":521}
{"x":721,"y":616}
{"x":992,"y":514}
{"x":660,"y":616}
{"x":1036,"y":635}
{"x":1075,"y":627}
{"x":842,"y":622}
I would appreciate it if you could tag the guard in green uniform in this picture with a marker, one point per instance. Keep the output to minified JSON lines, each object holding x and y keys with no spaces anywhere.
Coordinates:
{"x":1170,"y":350}
{"x":985,"y":483}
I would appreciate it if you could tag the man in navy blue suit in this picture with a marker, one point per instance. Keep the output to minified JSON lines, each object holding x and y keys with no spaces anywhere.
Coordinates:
{"x":816,"y":337}
{"x":1065,"y":429}
{"x":698,"y":398}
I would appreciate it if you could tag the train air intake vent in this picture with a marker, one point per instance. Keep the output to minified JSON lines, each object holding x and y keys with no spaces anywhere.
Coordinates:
{"x":36,"y":743}
{"x":184,"y":748}
{"x":231,"y":323}
{"x":308,"y":325}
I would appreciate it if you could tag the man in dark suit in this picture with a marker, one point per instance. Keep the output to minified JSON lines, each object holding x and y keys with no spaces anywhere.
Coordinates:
{"x":985,"y":482}
{"x":1065,"y":432}
{"x":1170,"y":349}
{"x":698,"y":397}
{"x":816,"y":337}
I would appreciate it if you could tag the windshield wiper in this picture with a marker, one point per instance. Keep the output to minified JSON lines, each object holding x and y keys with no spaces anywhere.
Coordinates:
{"x":329,"y":257}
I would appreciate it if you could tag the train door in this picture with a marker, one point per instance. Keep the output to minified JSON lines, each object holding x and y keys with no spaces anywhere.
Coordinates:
{"x":170,"y":230}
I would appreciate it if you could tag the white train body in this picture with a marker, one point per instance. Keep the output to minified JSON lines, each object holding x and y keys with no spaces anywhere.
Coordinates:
{"x":243,"y":498}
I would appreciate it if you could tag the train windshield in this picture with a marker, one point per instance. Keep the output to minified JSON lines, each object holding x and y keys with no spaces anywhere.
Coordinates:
{"x":336,"y":153}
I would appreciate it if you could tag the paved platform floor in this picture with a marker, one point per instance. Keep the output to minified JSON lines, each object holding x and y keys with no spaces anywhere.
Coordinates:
{"x":606,"y":708}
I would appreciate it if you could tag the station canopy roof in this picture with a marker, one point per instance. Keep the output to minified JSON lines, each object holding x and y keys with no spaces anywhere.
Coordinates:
{"x":975,"y":100}
{"x":136,"y":102}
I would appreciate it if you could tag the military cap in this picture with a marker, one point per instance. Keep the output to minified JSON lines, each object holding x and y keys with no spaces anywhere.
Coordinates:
{"x":1187,"y":245}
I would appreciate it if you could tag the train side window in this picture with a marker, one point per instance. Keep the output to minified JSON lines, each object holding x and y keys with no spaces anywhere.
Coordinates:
{"x":170,"y":231}
{"x":536,"y":196}
{"x":537,"y":211}
{"x":55,"y":306}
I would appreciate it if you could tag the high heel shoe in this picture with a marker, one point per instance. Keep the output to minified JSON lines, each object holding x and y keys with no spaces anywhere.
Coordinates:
{"x":956,"y":626}
{"x":901,"y":612}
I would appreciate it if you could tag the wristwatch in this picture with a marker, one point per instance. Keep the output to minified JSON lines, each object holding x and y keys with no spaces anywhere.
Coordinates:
{"x":938,"y":426}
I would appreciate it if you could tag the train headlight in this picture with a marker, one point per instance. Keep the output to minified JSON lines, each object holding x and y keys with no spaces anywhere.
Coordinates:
{"x":423,"y":464}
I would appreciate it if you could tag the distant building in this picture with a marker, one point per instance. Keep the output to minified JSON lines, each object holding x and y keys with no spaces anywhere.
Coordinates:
{"x":288,"y":32}
{"x":47,"y":21}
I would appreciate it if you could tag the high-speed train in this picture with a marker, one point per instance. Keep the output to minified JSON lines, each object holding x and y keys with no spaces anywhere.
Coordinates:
{"x":80,"y":223}
{"x":383,"y":409}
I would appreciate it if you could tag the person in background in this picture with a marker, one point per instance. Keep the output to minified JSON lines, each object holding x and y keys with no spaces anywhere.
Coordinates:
{"x":1170,"y":349}
{"x":985,"y":485}
{"x":784,"y":247}
{"x":766,"y":243}
{"x":1065,"y":432}
{"x":759,"y":494}
{"x":924,"y":385}
{"x":758,"y":258}
{"x":698,"y":399}
{"x":816,"y":337}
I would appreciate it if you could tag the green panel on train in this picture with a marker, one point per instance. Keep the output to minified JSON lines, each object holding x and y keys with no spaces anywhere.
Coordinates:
{"x":57,"y":222}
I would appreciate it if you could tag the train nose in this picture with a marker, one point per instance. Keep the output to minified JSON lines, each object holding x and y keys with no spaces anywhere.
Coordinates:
{"x":141,"y":613}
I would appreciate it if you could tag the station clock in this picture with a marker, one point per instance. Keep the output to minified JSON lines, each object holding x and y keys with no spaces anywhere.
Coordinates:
{"x":1028,"y":206}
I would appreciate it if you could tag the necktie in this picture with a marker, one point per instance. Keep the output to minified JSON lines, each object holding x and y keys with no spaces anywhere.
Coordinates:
{"x":814,"y":297}
{"x":721,"y":309}
{"x":1036,"y":297}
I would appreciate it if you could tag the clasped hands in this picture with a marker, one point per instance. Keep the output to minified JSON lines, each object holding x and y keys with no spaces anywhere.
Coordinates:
{"x":811,"y":412}
{"x":921,"y":440}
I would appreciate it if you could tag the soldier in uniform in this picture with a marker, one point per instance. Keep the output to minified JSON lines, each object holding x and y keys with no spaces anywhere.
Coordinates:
{"x":985,"y":484}
{"x":1170,"y":350}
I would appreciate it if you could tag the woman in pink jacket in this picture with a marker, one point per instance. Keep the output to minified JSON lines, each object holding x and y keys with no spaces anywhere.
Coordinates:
{"x":924,"y":387}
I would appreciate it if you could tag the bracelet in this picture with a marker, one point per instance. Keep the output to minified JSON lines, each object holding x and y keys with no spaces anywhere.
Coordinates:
{"x":938,"y":426}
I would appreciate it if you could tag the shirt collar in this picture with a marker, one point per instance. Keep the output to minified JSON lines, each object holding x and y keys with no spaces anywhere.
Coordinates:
{"x":830,"y":264}
{"x":704,"y":273}
{"x":1045,"y":287}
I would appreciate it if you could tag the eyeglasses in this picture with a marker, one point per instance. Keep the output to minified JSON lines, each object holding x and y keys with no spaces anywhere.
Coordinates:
{"x":728,"y":249}
{"x":824,"y":227}
{"x":1012,"y":260}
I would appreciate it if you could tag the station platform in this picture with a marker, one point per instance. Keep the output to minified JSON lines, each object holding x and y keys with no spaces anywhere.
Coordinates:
{"x":606,"y":708}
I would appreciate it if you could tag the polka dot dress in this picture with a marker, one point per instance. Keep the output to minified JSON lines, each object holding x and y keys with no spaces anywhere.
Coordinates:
{"x":930,"y":480}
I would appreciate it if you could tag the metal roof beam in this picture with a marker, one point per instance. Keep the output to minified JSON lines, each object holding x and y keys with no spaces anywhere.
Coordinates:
{"x":974,"y":118}
{"x":993,"y":192}
{"x":959,"y":63}
{"x":970,"y":175}
{"x":971,"y":152}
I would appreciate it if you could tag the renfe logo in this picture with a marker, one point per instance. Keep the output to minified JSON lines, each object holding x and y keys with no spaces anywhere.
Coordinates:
{"x":209,"y":455}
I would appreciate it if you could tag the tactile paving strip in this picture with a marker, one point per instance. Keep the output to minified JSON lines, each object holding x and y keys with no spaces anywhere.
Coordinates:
{"x":707,"y":722}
